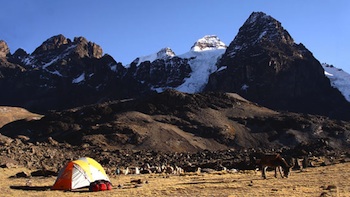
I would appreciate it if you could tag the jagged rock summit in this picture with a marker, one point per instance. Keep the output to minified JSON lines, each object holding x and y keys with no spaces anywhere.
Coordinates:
{"x":260,"y":26}
{"x":264,"y":65}
{"x":59,"y":47}
{"x":208,"y":42}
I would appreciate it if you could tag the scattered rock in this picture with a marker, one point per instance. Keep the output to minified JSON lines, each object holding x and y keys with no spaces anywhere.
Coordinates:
{"x":325,"y":194}
{"x":23,"y":138}
{"x":6,"y":162}
{"x":138,"y":185}
{"x":251,"y":183}
{"x":331,"y":187}
{"x":4,"y":141}
{"x":8,"y":165}
{"x":137,"y":181}
{"x":52,"y":141}
{"x":21,"y":175}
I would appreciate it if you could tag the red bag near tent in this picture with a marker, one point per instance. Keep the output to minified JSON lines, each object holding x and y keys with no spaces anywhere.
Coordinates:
{"x":100,"y":185}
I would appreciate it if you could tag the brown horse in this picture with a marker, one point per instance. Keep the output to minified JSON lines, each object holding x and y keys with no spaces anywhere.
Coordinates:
{"x":275,"y":161}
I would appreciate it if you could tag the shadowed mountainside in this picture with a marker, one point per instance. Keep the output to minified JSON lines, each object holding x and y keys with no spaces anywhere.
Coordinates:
{"x":175,"y":121}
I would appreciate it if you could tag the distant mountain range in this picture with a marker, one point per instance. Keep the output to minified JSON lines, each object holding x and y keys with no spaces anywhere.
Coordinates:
{"x":263,"y":64}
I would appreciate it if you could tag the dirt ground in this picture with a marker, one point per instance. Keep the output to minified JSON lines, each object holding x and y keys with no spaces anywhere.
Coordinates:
{"x":320,"y":181}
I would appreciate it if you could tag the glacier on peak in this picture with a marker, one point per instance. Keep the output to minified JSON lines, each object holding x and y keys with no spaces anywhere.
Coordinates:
{"x":208,"y":42}
{"x":203,"y":57}
{"x":202,"y":63}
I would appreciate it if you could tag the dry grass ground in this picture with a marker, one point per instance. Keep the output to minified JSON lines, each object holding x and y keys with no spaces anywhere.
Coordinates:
{"x":321,"y":181}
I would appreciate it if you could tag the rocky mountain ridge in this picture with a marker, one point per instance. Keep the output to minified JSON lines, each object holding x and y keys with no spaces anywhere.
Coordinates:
{"x":61,"y":74}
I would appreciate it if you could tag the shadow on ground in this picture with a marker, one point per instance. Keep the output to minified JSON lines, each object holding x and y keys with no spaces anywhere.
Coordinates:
{"x":30,"y":188}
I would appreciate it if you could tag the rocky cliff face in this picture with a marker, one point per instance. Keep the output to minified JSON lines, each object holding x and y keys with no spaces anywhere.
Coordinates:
{"x":161,"y":73}
{"x":265,"y":65}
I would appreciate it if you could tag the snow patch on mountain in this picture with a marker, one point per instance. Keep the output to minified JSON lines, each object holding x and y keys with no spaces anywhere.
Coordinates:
{"x":79,"y":78}
{"x":57,"y":73}
{"x":339,"y":79}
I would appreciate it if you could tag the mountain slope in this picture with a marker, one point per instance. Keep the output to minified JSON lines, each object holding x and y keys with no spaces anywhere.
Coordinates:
{"x":177,"y":122}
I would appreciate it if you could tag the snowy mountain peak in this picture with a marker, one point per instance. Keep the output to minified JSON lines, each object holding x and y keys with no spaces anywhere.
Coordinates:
{"x":208,"y":42}
{"x":164,"y":53}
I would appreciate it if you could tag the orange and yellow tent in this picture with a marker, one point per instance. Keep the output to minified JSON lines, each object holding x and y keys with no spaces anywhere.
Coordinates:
{"x":79,"y":173}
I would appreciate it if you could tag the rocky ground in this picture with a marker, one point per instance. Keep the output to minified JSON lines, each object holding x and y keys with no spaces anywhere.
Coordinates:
{"x":53,"y":156}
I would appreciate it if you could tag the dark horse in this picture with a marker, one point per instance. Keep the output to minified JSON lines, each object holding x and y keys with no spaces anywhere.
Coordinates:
{"x":275,"y":161}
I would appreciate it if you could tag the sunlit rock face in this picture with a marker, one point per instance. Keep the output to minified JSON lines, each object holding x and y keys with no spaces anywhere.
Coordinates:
{"x":4,"y":49}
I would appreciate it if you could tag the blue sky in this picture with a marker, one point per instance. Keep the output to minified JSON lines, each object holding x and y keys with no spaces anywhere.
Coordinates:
{"x":127,"y":29}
